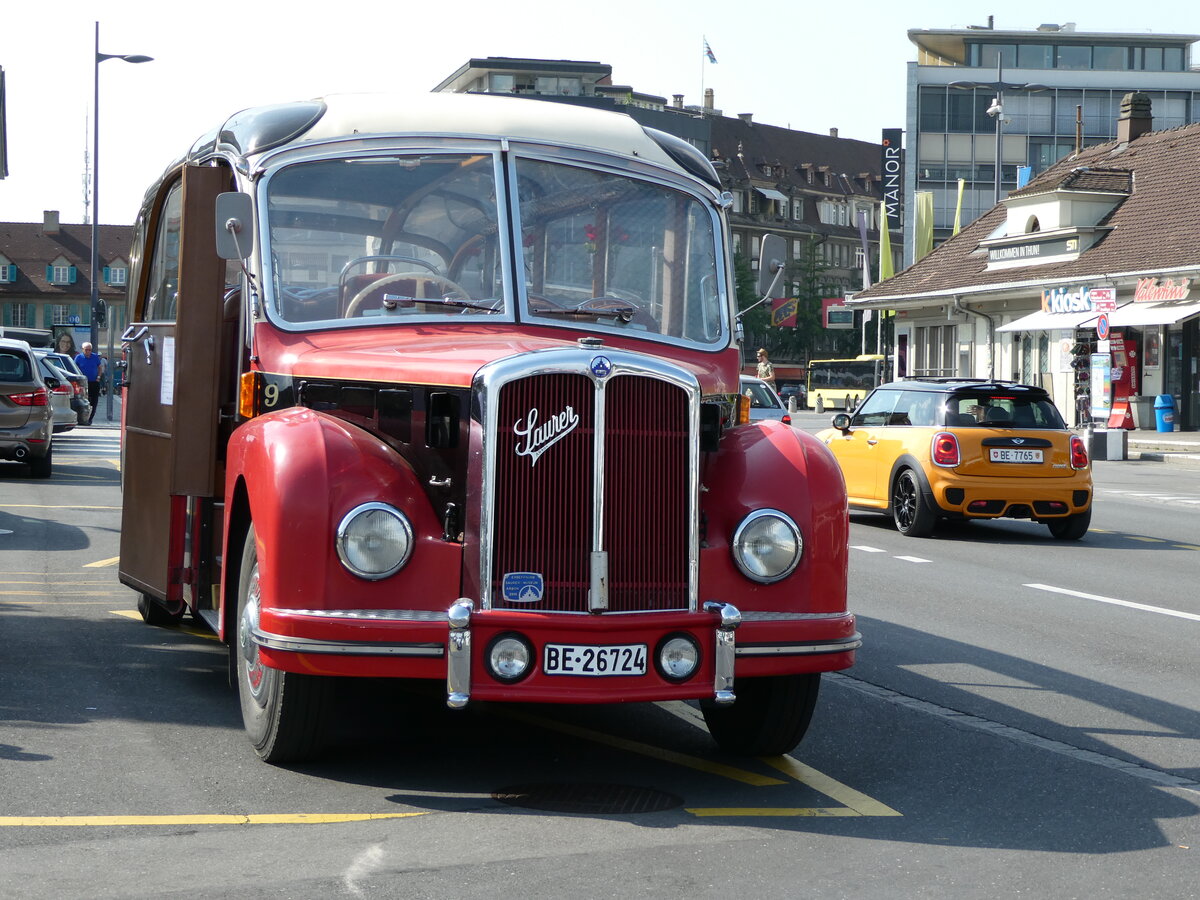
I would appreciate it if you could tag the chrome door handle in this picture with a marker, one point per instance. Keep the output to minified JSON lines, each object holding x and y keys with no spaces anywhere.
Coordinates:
{"x":149,"y":345}
{"x":871,"y":442}
{"x":133,"y":334}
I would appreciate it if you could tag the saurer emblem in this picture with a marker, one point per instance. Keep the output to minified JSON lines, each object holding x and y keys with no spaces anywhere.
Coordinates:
{"x":538,"y":437}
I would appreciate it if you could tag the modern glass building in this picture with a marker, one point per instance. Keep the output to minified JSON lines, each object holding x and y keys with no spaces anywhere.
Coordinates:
{"x":1060,"y":88}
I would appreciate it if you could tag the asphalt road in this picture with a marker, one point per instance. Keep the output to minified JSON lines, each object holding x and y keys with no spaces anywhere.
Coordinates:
{"x":1023,"y":721}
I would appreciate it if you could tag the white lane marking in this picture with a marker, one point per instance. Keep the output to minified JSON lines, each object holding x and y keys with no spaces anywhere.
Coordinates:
{"x":914,"y":559}
{"x":865,"y":549}
{"x":1142,"y":606}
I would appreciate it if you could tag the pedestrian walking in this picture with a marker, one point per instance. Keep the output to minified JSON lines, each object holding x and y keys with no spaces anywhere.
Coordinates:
{"x":92,"y":366}
{"x":766,"y":371}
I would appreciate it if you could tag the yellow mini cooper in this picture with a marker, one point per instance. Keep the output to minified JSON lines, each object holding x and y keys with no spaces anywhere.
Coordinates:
{"x":961,"y":448}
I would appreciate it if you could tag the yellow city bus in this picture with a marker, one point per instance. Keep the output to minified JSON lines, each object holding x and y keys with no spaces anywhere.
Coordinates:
{"x":842,"y":383}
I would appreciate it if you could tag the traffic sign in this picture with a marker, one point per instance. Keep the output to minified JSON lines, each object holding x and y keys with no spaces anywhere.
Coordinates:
{"x":1102,"y":327}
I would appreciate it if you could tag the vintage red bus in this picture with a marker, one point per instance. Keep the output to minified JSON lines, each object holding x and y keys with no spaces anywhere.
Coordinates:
{"x":446,"y":388}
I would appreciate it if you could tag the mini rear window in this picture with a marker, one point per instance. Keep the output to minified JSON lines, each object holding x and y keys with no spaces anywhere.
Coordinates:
{"x":14,"y":366}
{"x":1002,"y":411}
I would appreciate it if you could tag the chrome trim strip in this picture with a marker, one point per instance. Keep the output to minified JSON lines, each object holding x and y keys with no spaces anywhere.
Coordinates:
{"x":851,"y":643}
{"x":458,"y":667}
{"x":344,"y":648}
{"x":767,"y":616}
{"x":367,"y":615}
{"x":726,"y":650}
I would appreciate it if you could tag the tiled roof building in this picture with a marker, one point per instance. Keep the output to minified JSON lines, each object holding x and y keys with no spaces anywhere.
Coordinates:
{"x":1115,"y":229}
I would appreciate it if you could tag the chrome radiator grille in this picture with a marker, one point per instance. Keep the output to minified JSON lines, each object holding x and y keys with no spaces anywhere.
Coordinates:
{"x":586,"y":471}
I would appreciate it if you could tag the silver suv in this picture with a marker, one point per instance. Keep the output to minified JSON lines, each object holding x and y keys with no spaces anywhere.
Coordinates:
{"x":26,"y":416}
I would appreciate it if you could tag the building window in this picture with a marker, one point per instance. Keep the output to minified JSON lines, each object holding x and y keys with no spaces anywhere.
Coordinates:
{"x":63,"y":314}
{"x":1073,"y":56}
{"x":60,"y":274}
{"x":564,"y":87}
{"x":115,"y":274}
{"x":8,"y":273}
{"x":502,"y":84}
{"x":18,"y":315}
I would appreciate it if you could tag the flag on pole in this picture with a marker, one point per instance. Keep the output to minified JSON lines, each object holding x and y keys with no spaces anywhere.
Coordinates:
{"x":924,"y":235}
{"x":712,"y":57}
{"x":962,"y":183}
{"x":885,"y":245}
{"x":783,"y":312}
{"x":866,"y":249}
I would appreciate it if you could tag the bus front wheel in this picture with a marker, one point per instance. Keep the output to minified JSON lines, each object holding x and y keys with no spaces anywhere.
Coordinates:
{"x":284,"y":713}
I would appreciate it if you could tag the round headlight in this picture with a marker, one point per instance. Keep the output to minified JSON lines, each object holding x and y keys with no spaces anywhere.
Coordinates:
{"x":767,"y":546}
{"x":678,"y":657}
{"x":374,"y":540}
{"x":509,"y":657}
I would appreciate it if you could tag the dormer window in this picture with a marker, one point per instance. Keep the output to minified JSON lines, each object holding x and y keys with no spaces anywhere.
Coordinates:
{"x":1033,"y":225}
{"x":8,"y":271}
{"x":116,"y":274}
{"x":61,"y":272}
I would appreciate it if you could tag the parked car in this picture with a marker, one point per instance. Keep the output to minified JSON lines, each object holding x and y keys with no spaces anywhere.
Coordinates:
{"x":967,"y":449}
{"x":61,"y":392}
{"x":764,"y":402}
{"x":793,"y":389}
{"x":79,"y":397}
{"x":26,"y":416}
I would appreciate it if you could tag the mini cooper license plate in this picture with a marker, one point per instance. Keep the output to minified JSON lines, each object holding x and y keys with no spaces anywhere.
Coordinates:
{"x":1014,"y":455}
{"x":594,"y":660}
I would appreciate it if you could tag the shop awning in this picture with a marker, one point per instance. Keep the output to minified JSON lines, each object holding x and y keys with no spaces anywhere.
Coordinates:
{"x":1152,"y":313}
{"x":1046,"y":321}
{"x":772,"y":194}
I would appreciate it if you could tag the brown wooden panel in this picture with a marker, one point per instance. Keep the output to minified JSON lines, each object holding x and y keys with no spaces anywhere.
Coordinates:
{"x":197,"y":352}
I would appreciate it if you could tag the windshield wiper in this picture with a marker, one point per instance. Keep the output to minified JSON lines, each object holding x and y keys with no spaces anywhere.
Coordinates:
{"x":398,"y":302}
{"x":623,"y":313}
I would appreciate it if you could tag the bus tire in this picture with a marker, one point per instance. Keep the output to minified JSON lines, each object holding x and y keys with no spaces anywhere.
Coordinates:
{"x":155,"y":613}
{"x":820,"y":405}
{"x":284,"y":713}
{"x":770,"y":715}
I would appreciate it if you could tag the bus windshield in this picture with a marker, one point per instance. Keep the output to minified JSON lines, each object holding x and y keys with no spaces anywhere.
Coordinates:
{"x":421,"y":237}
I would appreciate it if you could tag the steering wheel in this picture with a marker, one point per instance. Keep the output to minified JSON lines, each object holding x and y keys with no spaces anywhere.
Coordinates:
{"x":445,"y":283}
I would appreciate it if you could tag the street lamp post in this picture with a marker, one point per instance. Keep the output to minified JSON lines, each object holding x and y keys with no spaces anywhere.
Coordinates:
{"x":94,"y":273}
{"x":996,"y":110}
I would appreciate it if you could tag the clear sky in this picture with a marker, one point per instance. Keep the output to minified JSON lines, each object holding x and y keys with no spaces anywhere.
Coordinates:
{"x":808,"y":66}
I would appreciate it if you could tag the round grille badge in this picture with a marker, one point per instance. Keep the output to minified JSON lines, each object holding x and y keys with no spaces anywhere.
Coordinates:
{"x":601,"y":366}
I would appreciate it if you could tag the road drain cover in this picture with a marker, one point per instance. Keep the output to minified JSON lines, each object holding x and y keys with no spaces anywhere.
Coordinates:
{"x":594,"y":799}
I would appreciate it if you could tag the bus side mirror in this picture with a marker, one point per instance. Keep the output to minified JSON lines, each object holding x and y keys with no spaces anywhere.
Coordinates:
{"x":235,"y":225}
{"x":771,"y":260}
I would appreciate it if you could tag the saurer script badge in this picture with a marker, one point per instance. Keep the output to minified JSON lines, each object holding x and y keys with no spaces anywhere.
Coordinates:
{"x":539,"y":436}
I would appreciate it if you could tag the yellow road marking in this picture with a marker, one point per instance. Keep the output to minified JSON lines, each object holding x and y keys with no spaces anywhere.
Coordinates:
{"x":682,"y":759}
{"x":60,"y":593}
{"x":856,"y":802}
{"x":45,"y":506}
{"x":182,"y":629}
{"x":1186,"y":547}
{"x":247,"y":819}
{"x":1147,"y":540}
{"x":101,"y":563}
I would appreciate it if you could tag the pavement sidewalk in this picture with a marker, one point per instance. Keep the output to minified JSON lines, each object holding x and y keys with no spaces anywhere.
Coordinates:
{"x":1179,"y":447}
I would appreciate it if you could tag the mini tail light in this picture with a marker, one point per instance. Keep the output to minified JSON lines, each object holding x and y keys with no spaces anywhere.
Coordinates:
{"x":945,"y":449}
{"x":1079,"y":457}
{"x":787,"y":420}
{"x":40,"y":397}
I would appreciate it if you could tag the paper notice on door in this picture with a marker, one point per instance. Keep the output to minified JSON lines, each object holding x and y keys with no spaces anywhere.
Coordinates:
{"x":166,"y":390}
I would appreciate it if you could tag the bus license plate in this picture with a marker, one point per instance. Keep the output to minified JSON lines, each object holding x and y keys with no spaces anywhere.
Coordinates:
{"x":1014,"y":455}
{"x":594,"y":660}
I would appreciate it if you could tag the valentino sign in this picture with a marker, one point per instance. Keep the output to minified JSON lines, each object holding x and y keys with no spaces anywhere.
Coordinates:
{"x":1151,"y":289}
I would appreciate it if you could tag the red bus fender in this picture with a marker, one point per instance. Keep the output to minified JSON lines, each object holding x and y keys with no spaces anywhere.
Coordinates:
{"x":295,"y":474}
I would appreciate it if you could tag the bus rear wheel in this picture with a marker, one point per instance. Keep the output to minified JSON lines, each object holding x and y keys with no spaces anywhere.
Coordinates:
{"x":284,"y":713}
